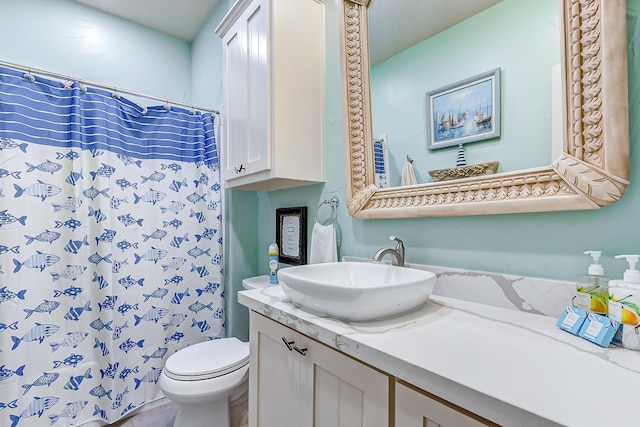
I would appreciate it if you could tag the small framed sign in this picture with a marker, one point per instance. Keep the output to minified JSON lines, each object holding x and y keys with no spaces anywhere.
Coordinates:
{"x":291,"y":234}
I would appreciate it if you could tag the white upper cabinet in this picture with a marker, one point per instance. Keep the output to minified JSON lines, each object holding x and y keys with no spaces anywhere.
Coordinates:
{"x":274,"y":85}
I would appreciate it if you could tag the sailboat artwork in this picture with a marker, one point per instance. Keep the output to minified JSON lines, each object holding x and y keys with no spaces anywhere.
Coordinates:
{"x":463,"y":112}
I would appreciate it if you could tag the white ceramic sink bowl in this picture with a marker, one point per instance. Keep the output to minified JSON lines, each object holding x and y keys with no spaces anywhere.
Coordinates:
{"x":357,"y":291}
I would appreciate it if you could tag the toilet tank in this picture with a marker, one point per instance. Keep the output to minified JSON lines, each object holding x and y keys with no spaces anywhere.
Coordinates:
{"x":257,"y":282}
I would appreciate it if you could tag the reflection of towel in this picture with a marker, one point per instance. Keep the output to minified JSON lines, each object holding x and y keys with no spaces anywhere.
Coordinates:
{"x":323,"y":244}
{"x":408,"y":177}
{"x":380,"y":162}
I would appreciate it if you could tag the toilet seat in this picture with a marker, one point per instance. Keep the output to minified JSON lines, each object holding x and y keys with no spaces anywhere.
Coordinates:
{"x":208,"y":359}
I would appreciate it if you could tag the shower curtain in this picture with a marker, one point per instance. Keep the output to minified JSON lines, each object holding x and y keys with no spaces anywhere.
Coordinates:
{"x":110,"y":248}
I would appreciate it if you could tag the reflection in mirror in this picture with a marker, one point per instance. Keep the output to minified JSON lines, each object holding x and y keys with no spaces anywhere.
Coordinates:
{"x":590,"y":171}
{"x":499,"y":36}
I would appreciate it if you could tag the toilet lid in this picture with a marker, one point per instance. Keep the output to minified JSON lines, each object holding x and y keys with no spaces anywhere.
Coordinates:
{"x":209,"y":359}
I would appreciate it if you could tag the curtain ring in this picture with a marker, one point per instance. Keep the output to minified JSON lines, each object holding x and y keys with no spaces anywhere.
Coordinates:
{"x":28,"y":76}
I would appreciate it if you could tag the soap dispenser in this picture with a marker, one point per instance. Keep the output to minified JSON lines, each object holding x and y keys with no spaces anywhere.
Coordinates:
{"x":624,"y":299}
{"x":592,"y":288}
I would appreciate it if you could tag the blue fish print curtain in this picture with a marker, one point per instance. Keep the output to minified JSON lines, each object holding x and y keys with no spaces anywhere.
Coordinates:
{"x":110,"y":248}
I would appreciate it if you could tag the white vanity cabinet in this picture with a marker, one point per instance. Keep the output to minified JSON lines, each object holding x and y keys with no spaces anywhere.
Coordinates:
{"x":296,"y":381}
{"x":273,"y":112}
{"x":415,"y":408}
{"x":310,"y":385}
{"x":449,"y":363}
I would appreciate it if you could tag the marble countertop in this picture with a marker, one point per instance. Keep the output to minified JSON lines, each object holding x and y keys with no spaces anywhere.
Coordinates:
{"x":512,"y":367}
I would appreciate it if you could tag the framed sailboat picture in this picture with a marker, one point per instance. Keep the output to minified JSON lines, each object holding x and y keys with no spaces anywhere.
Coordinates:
{"x":465,"y":111}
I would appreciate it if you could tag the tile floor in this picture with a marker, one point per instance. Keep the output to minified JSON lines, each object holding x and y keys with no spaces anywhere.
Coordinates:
{"x":161,"y":416}
{"x":164,"y":415}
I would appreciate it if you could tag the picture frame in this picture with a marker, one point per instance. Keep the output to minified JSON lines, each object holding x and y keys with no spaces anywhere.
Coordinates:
{"x":465,"y":111}
{"x":291,"y":235}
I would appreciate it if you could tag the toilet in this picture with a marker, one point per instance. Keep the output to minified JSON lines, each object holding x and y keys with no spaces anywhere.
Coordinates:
{"x":209,"y":381}
{"x":206,"y":380}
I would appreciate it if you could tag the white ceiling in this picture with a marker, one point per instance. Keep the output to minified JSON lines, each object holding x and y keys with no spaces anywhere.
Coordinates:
{"x":394,"y":24}
{"x":179,"y":18}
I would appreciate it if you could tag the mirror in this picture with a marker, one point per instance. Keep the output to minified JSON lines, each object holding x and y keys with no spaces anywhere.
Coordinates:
{"x":456,"y":46}
{"x":592,"y":169}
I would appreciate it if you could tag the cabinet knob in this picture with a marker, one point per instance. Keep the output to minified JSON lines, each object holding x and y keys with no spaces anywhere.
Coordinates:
{"x":238,"y":170}
{"x":288,"y":343}
{"x":302,"y":351}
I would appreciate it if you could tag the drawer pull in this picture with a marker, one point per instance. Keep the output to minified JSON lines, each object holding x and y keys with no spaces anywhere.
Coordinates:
{"x":288,"y":343}
{"x":302,"y":351}
{"x":241,"y":168}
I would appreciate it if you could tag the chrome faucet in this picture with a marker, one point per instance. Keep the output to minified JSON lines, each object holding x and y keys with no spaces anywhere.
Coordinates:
{"x":397,"y":254}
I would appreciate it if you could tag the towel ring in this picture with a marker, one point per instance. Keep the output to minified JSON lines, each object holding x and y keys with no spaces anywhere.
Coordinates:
{"x":334,"y":201}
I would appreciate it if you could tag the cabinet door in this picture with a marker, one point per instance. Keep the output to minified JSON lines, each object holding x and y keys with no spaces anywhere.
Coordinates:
{"x":245,"y":58}
{"x":235,"y":105}
{"x":310,"y":385}
{"x":273,"y":375}
{"x":415,"y":409}
{"x":337,"y":391}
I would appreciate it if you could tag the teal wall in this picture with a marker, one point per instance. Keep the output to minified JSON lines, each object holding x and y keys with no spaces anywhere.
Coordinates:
{"x":546,"y":245}
{"x":68,"y":38}
{"x":206,"y":60}
{"x":495,"y":38}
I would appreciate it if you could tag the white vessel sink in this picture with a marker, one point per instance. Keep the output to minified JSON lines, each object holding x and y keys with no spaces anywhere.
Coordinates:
{"x":357,"y":291}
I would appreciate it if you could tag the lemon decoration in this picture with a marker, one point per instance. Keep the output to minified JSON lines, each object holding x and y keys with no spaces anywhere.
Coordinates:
{"x":598,"y":306}
{"x":629,"y":317}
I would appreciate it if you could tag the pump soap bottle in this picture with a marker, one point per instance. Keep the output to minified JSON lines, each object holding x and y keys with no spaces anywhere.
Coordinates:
{"x":592,"y":288}
{"x":624,"y":305}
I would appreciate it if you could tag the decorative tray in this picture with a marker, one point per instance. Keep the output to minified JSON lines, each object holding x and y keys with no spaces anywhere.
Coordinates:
{"x":467,"y":171}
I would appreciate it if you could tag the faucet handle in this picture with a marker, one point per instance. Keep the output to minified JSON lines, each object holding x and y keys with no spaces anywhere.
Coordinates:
{"x":399,"y":246}
{"x":400,"y":243}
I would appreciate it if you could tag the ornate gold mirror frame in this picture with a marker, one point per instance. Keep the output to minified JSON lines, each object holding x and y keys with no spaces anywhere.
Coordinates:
{"x":593,"y":170}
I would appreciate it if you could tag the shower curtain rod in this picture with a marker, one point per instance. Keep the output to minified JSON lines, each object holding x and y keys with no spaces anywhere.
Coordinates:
{"x":102,"y":86}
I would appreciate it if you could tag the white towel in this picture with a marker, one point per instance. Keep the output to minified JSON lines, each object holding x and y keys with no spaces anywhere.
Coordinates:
{"x":323,"y":244}
{"x":408,"y":176}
